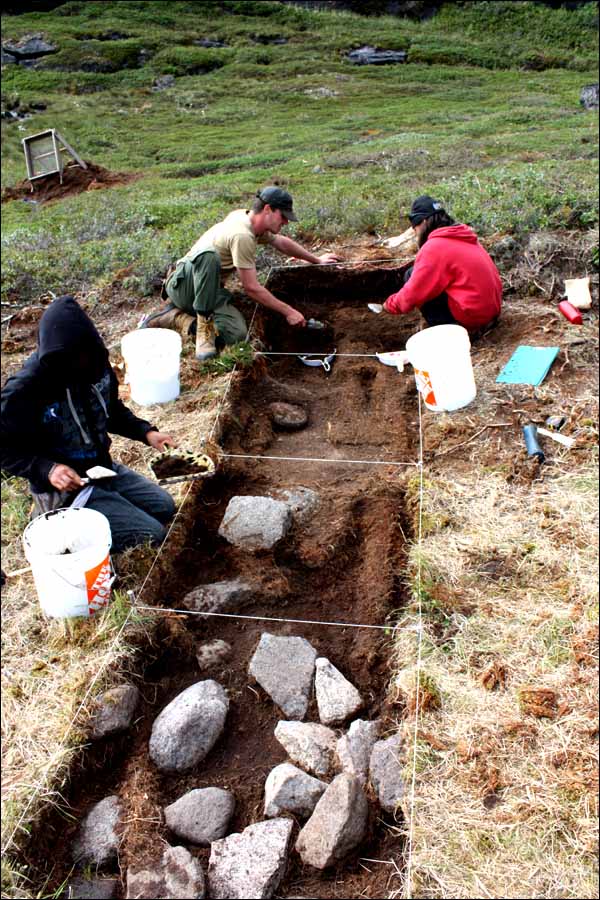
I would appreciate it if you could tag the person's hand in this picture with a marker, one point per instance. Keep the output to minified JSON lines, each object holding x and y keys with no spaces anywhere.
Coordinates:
{"x":64,"y":478}
{"x":160,"y":441}
{"x":295,"y":318}
{"x":330,"y":258}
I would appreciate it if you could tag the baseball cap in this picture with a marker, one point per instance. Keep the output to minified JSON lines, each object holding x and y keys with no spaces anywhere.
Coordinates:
{"x":423,"y":208}
{"x":277,"y":198}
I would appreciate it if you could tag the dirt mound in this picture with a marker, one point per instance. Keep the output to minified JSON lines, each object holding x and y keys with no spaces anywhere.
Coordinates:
{"x":75,"y":180}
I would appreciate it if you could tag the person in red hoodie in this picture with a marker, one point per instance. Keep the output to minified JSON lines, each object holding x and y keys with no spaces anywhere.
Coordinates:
{"x":453,"y":280}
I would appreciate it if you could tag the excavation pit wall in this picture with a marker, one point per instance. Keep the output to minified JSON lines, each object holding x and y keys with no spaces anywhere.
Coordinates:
{"x":343,"y":564}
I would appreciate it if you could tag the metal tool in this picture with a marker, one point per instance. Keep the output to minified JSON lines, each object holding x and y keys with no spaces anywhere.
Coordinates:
{"x":315,"y":325}
{"x":96,"y":473}
{"x":316,"y":362}
{"x":532,"y":443}
{"x":375,"y":307}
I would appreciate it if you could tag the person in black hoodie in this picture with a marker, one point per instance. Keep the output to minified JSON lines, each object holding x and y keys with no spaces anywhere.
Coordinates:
{"x":56,"y":415}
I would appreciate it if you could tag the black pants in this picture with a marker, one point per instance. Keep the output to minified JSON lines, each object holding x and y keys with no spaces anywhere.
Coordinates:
{"x":435,"y":311}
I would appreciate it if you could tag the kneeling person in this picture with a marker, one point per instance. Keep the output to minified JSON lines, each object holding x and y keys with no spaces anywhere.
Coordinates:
{"x":198,"y":298}
{"x":57,"y":413}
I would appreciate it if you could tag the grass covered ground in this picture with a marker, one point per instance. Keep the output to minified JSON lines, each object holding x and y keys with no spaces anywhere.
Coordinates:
{"x":486,"y":116}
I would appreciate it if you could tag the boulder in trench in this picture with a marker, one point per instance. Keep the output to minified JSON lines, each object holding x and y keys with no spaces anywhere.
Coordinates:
{"x":302,"y":501}
{"x":221,"y":596}
{"x":255,"y":523}
{"x":310,"y":745}
{"x":179,"y":876}
{"x":212,"y":654}
{"x":290,"y":790}
{"x":284,"y":668}
{"x":97,"y":840}
{"x":91,"y":889}
{"x":354,"y":748}
{"x":385,"y":772}
{"x":201,"y":816}
{"x":188,"y":727}
{"x":250,"y":864}
{"x":337,"y":699}
{"x":337,"y":826}
{"x":114,"y":710}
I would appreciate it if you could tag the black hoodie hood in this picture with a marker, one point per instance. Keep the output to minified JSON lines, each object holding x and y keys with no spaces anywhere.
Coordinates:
{"x":66,"y":336}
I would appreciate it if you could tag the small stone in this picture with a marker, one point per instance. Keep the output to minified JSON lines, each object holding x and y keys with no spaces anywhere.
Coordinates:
{"x":114,"y":711}
{"x":255,"y":523}
{"x":311,"y":746}
{"x":188,"y":727}
{"x":218,"y":597}
{"x":354,"y":749}
{"x":288,"y":416}
{"x":337,"y":826}
{"x":302,"y":502}
{"x":148,"y":884}
{"x":284,"y":667}
{"x":337,"y":699}
{"x":97,"y":840}
{"x":212,"y":654}
{"x":589,"y":96}
{"x":163,"y":82}
{"x":201,"y":816}
{"x":250,"y":865}
{"x":385,"y":770}
{"x":178,"y":877}
{"x":290,"y":790}
{"x":91,"y":889}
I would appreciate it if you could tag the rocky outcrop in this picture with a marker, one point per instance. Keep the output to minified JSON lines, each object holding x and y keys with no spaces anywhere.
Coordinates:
{"x":188,"y":727}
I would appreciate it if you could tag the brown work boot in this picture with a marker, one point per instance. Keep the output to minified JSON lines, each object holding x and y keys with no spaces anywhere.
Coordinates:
{"x":172,"y":318}
{"x":205,"y":339}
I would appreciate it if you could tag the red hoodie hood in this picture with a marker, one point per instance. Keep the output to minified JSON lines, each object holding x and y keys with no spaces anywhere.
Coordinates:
{"x":456,"y":233}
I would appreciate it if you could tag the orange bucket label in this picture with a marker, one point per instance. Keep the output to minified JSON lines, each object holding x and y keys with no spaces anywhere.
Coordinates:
{"x":98,"y":581}
{"x":425,"y":387}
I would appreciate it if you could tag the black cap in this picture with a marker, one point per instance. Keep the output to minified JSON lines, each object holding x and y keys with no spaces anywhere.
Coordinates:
{"x":423,"y":208}
{"x":277,"y":198}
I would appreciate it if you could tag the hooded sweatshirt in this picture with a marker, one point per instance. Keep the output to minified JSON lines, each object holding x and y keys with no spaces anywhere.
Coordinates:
{"x":452,"y":261}
{"x":63,"y":403}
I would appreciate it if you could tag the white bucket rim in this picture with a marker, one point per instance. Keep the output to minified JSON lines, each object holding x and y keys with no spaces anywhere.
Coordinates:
{"x":151,"y":336}
{"x":31,"y":551}
{"x":434,"y":332}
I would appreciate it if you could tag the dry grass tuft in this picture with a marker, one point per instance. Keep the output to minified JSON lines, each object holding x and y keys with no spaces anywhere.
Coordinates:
{"x":507,"y":761}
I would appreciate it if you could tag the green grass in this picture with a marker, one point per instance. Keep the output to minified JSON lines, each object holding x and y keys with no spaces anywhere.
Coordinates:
{"x":469,"y":119}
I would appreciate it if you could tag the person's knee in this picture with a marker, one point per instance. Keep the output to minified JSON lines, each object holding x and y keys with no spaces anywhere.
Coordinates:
{"x":151,"y":533}
{"x":165,"y":508}
{"x":232,"y":327}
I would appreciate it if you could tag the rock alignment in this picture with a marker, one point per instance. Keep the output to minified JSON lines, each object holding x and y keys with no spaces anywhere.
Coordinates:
{"x":385,"y":770}
{"x":250,"y":864}
{"x":178,"y":877}
{"x":201,"y":816}
{"x":337,"y":826}
{"x":290,"y":790}
{"x":337,"y":699}
{"x":354,"y":748}
{"x":97,"y":840}
{"x":114,"y":711}
{"x":284,"y":667}
{"x":187,"y":729}
{"x":218,"y":597}
{"x":310,"y":745}
{"x":255,"y":523}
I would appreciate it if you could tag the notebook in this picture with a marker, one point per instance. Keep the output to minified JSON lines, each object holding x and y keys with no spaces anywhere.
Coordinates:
{"x":528,"y":365}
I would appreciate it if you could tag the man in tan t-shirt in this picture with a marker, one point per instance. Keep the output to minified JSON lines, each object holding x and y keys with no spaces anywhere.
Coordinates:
{"x":195,"y":288}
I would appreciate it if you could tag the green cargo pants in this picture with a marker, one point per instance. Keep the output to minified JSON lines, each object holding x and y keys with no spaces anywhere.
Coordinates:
{"x":195,"y":287}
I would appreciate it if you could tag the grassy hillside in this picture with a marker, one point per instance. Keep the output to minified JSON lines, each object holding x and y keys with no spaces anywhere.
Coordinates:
{"x":485,"y":115}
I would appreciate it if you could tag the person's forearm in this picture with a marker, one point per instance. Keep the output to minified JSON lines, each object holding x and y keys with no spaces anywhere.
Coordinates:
{"x":291,"y":248}
{"x":266,"y":298}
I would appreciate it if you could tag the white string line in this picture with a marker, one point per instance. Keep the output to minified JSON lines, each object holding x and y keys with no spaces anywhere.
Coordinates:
{"x":195,"y":612}
{"x":357,"y":462}
{"x":45,"y":771}
{"x":304,"y":353}
{"x":408,"y":878}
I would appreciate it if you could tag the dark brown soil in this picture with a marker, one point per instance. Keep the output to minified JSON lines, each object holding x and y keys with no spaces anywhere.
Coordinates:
{"x":75,"y":180}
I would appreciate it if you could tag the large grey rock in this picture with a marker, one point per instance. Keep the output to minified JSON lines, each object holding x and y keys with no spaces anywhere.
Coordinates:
{"x":188,"y":727}
{"x":311,"y":746}
{"x":212,"y":654}
{"x":29,"y":48}
{"x":589,"y":96}
{"x":255,"y":523}
{"x":354,"y":748}
{"x":337,"y":699}
{"x":370,"y":56}
{"x":290,"y":790}
{"x":284,"y":667}
{"x":97,"y":840}
{"x":385,"y":771}
{"x":114,"y":710}
{"x":337,"y":826}
{"x":250,"y":865}
{"x":302,"y":501}
{"x":178,"y":877}
{"x":201,"y":816}
{"x":218,"y":597}
{"x":91,"y":889}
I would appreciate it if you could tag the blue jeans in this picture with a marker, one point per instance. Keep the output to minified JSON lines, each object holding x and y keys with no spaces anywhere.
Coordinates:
{"x":136,"y":509}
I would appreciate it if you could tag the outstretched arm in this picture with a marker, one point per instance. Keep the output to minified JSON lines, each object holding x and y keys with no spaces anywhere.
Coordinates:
{"x":254,"y":289}
{"x":290,"y":248}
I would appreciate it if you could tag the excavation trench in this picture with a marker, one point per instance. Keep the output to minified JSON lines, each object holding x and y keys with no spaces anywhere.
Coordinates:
{"x":344,"y":565}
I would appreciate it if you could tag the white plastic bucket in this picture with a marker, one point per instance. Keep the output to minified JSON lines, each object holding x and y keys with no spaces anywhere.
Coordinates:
{"x":152,"y":363}
{"x":68,"y":550}
{"x":441,"y":358}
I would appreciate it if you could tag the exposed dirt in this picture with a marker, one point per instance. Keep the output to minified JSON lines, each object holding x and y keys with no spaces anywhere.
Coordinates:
{"x":75,"y":180}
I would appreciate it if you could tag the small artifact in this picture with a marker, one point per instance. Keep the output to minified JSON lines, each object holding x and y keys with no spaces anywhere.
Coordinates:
{"x":288,"y":416}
